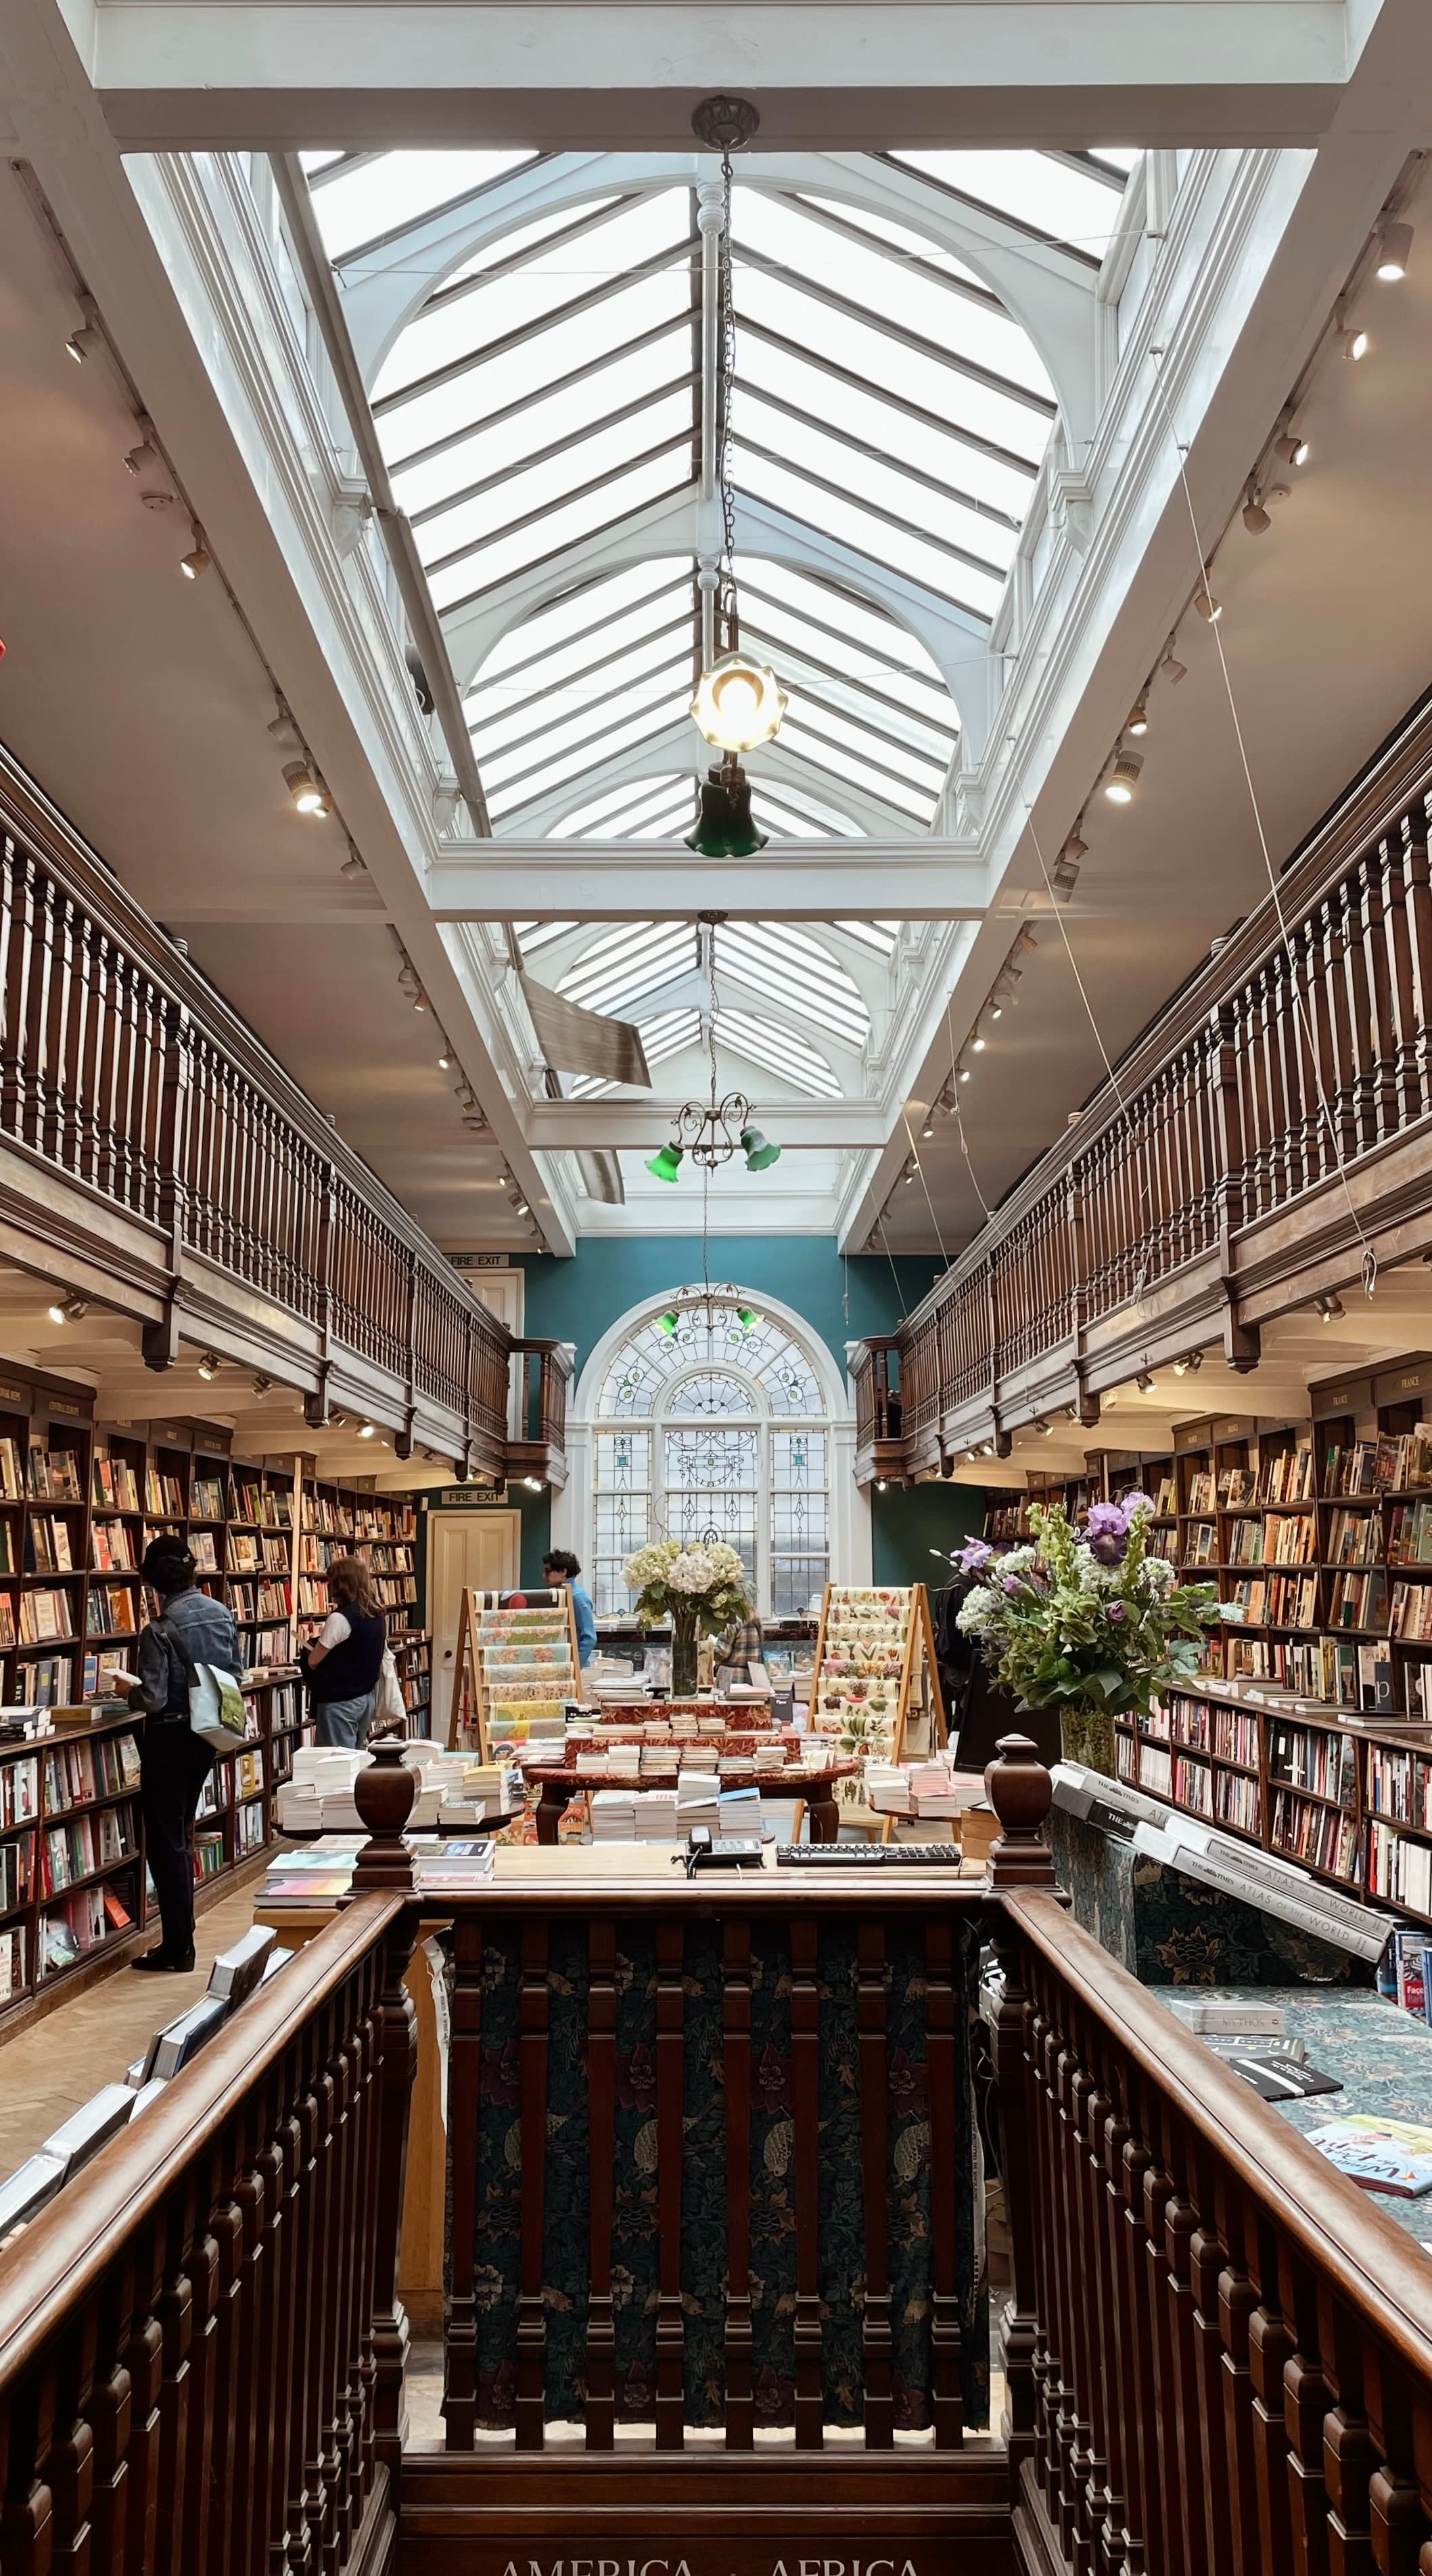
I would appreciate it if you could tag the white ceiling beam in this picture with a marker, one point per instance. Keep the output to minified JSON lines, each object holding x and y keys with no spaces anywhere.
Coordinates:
{"x":639,"y":1126}
{"x":984,"y":72}
{"x":638,"y":880}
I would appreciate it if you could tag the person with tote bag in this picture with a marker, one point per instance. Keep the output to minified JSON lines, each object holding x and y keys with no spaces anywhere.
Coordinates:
{"x":343,"y":1664}
{"x":189,"y":1667}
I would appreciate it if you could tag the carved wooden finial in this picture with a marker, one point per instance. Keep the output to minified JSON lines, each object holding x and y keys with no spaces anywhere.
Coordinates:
{"x":1021,"y":1793}
{"x":383,"y":1794}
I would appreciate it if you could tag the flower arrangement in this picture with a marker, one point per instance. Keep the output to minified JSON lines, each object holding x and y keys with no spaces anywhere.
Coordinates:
{"x":1086,"y":1620}
{"x":699,"y":1589}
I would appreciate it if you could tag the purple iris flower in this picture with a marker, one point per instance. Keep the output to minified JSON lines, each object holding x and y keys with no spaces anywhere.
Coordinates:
{"x":1118,"y":1611}
{"x":1136,"y":1502}
{"x":975,"y":1553}
{"x":1106,"y":1532}
{"x":1015,"y":1583}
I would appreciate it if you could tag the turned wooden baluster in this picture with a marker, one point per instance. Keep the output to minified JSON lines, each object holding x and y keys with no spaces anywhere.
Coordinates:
{"x":670,"y":2088}
{"x":949,"y":2170}
{"x":383,"y":1794}
{"x":736,"y":2071}
{"x":459,"y":2405}
{"x":531,"y":2310}
{"x":601,"y":2166}
{"x":805,"y":2088}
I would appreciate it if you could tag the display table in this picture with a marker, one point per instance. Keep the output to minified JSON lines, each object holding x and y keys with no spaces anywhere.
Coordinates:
{"x":559,"y":1782}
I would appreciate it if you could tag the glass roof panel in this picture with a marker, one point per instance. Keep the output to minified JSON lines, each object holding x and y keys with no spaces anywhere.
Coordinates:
{"x":511,"y":441}
{"x":573,"y":672}
{"x":874,"y":538}
{"x":554,"y":716}
{"x":589,"y":819}
{"x":889,"y":287}
{"x":664,"y":692}
{"x":805,"y":738}
{"x":854,"y":675}
{"x":536,"y":293}
{"x":508,"y":376}
{"x":639,"y":957}
{"x":523,"y":239}
{"x":781,"y":821}
{"x":789,"y":791}
{"x":468,"y":523}
{"x":980,"y":479}
{"x":787,"y":965}
{"x":555,"y":529}
{"x":1037,"y":188}
{"x":648,"y":725}
{"x":585,"y":608}
{"x":780,"y":1050}
{"x":394,"y":188}
{"x":899,"y":761}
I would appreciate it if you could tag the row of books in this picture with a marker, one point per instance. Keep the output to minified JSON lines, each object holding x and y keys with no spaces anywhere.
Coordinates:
{"x":1317,"y":1758}
{"x":114,"y":1485}
{"x":1399,"y":1870}
{"x":75,"y":1774}
{"x":1322,"y":1668}
{"x":112,"y":1548}
{"x":1321,"y":1837}
{"x":17,"y":1871}
{"x":46,"y":1614}
{"x":250,"y":1602}
{"x":53,"y":1475}
{"x":111,"y":1611}
{"x":1412,"y":1612}
{"x":1399,"y":1785}
{"x":1388,"y":1465}
{"x":13,"y":1948}
{"x":1279,"y":1601}
{"x":84,"y":1844}
{"x":207,"y":1499}
{"x":1355,"y":1538}
{"x":83,"y":1920}
{"x":1359,"y":1601}
{"x":1237,"y":1802}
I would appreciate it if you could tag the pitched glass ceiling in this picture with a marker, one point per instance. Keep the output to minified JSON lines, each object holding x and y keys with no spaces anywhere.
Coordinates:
{"x":545,"y":398}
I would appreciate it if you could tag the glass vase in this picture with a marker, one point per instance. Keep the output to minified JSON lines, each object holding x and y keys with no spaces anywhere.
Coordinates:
{"x":683,"y":1654}
{"x":1086,"y":1736}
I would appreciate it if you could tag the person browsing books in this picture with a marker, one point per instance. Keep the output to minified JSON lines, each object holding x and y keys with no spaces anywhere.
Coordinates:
{"x":559,"y":1566}
{"x":174,"y":1762}
{"x":342,"y":1663}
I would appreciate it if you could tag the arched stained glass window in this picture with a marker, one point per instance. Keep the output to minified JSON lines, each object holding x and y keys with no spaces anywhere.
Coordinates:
{"x":711,"y":1423}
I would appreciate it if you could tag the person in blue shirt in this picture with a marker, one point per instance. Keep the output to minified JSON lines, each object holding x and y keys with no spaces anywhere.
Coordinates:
{"x":560,"y":1566}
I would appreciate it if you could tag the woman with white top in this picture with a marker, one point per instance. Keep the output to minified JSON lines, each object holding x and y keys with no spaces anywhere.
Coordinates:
{"x":342,"y":1664}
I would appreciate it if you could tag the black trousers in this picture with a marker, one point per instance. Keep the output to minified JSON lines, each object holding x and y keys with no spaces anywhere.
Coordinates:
{"x":173,"y":1767}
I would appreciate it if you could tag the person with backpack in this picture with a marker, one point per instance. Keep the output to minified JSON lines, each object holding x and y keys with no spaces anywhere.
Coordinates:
{"x":342,"y":1663}
{"x":174,"y":1762}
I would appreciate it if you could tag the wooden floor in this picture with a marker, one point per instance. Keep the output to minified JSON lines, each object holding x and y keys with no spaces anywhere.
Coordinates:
{"x":49,"y":2069}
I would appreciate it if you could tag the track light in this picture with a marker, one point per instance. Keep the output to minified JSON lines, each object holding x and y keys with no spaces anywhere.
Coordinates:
{"x":262,"y":1384}
{"x":1076,"y":847}
{"x":68,"y":1310}
{"x":367,"y":1430}
{"x":196,"y":561}
{"x":1189,"y":1365}
{"x":1206,"y":605}
{"x":1066,"y":874}
{"x":1145,"y":1383}
{"x":85,"y":342}
{"x":353,"y":865}
{"x":208,"y":1365}
{"x":1172,"y":668}
{"x":1353,"y":341}
{"x":1329,"y":1305}
{"x":534,"y":1484}
{"x":1044,"y":1429}
{"x":1139,"y":715}
{"x":964,"y":1072}
{"x":1255,"y":517}
{"x":1124,"y":777}
{"x":908,"y":1177}
{"x":996,"y":1010}
{"x":444,"y":1062}
{"x":978,"y":1042}
{"x":1291,"y":448}
{"x":522,"y":1208}
{"x":144,"y":459}
{"x":927,"y":1131}
{"x":306,"y":788}
{"x":1394,"y":249}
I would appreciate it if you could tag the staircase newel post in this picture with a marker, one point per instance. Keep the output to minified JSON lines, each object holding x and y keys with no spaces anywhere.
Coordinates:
{"x":383,"y":1793}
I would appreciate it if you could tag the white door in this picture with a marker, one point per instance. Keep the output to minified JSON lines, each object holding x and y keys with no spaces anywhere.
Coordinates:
{"x":480,"y":1549}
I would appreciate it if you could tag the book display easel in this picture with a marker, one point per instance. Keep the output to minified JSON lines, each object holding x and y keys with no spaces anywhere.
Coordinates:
{"x":876,"y":1688}
{"x":73,"y":1881}
{"x":515,"y":1668}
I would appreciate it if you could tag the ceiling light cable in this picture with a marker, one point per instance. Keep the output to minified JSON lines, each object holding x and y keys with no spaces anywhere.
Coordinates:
{"x":1369,"y":1257}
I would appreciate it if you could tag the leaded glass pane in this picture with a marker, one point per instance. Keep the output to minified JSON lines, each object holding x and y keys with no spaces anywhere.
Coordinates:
{"x":621,"y":1515}
{"x":708,"y":1397}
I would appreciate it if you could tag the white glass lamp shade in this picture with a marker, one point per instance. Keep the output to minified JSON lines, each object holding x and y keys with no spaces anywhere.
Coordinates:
{"x":738,"y":703}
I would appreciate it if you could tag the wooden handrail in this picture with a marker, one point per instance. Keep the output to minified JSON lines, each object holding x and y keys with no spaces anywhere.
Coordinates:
{"x":202,"y":2333}
{"x":1364,"y":2253}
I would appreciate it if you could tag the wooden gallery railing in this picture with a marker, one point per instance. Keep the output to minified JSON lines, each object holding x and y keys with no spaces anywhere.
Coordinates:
{"x":1277,"y":1114}
{"x":201,"y":2355}
{"x":129,"y":1091}
{"x":541,"y":1375}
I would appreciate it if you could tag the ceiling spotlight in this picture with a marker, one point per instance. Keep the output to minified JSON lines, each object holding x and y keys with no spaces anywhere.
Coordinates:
{"x":1066,"y":874}
{"x":68,"y":1310}
{"x":522,"y":1208}
{"x":444,"y":1062}
{"x":1291,"y":448}
{"x":880,"y":1484}
{"x":1139,"y":715}
{"x":996,"y":1010}
{"x":144,"y":459}
{"x":1189,"y":1365}
{"x":964,"y":1072}
{"x":1076,"y":847}
{"x":927,"y":1131}
{"x":1044,"y":1429}
{"x":208,"y":1365}
{"x":353,"y":866}
{"x":909,"y":1176}
{"x":1329,"y":1305}
{"x":367,"y":1430}
{"x":1173,"y":669}
{"x":1354,"y":341}
{"x":1255,"y":517}
{"x":534,"y":1484}
{"x":978,"y":1043}
{"x":262,"y":1384}
{"x":196,"y":561}
{"x":1145,"y":1383}
{"x":306,"y":788}
{"x":988,"y":1449}
{"x":1206,"y":605}
{"x":1394,"y":249}
{"x":1124,"y":777}
{"x":85,"y":342}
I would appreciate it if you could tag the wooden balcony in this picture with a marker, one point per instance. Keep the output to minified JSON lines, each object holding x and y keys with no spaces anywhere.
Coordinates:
{"x":537,"y":1436}
{"x":875,"y":1377}
{"x":1271,"y":1128}
{"x":158,"y":1159}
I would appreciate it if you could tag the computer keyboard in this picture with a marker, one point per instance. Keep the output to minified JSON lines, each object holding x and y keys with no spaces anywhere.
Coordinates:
{"x":869,"y":1856}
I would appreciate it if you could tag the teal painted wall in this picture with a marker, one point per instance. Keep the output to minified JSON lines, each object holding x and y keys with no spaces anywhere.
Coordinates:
{"x":576,"y":1300}
{"x":906,"y":1522}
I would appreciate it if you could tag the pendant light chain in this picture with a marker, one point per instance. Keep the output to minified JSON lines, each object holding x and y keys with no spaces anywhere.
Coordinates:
{"x":727,"y":314}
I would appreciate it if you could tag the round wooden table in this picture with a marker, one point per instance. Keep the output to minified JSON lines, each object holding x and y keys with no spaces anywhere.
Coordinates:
{"x":559,"y":1783}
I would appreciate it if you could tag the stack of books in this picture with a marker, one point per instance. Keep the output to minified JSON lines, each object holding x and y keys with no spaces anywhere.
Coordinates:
{"x":613,"y":1815}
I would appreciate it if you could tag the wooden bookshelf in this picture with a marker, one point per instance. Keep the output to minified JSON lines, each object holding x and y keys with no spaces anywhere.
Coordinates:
{"x":339,"y":1519}
{"x":72,"y":1839}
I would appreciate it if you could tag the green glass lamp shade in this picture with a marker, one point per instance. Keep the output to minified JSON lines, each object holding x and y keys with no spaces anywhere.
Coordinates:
{"x":665,"y":1164}
{"x":760,"y":1153}
{"x":668,"y":1322}
{"x":747,"y":1318}
{"x":724,"y":828}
